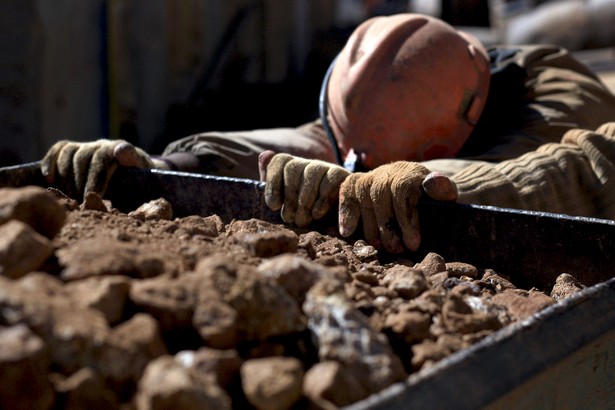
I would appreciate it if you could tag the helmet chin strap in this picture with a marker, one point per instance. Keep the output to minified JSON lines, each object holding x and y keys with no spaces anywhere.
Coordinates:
{"x":323,"y":110}
{"x":352,"y":162}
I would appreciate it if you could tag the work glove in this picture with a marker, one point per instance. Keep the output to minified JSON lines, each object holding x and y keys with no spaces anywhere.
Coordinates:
{"x":385,"y":200}
{"x":80,"y":167}
{"x":305,"y":190}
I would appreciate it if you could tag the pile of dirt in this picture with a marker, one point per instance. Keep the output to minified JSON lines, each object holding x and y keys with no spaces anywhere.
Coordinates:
{"x":103,"y":309}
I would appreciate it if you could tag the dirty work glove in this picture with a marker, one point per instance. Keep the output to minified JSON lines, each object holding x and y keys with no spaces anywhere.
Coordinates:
{"x":304,"y":189}
{"x":80,"y":167}
{"x":385,"y":199}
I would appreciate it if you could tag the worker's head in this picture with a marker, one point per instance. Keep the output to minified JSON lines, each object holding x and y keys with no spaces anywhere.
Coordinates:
{"x":406,"y":87}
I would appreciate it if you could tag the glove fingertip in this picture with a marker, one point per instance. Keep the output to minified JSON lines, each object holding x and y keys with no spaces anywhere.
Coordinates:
{"x":440,"y":187}
{"x":273,"y":201}
{"x":413,"y":242}
{"x":347,"y":224}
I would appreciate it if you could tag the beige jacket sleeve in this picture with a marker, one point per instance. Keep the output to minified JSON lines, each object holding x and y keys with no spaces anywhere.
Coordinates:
{"x":575,"y":177}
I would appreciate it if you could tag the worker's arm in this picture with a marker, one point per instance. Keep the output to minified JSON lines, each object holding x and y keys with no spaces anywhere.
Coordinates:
{"x":79,"y":167}
{"x":575,"y":177}
{"x":235,"y":154}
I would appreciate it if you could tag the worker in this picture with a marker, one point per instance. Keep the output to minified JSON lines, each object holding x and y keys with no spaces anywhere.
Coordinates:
{"x":410,"y":108}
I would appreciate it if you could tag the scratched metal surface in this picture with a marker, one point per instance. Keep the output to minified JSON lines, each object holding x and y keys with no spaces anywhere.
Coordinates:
{"x":531,"y":247}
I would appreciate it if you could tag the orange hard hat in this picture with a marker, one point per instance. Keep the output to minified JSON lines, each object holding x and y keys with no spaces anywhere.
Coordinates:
{"x":405,"y":87}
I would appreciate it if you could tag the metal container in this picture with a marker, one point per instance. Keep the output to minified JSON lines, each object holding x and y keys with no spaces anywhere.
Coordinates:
{"x":562,"y":357}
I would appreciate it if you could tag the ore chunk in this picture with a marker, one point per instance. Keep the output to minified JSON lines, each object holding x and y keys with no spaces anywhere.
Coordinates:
{"x":272,"y":383}
{"x":521,"y":304}
{"x":263,"y":309}
{"x":344,"y":335}
{"x":565,"y":285}
{"x":407,"y":282}
{"x":223,"y":365}
{"x":459,"y":317}
{"x":268,"y":244}
{"x":330,"y":384}
{"x":432,"y":264}
{"x":103,"y":256}
{"x":22,"y":249}
{"x":170,"y":300}
{"x":108,"y":295}
{"x":93,"y":202}
{"x":459,"y":269}
{"x":33,"y":206}
{"x":24,"y":363}
{"x":154,"y":210}
{"x":166,"y":384}
{"x":294,"y":274}
{"x":128,"y":349}
{"x":84,"y":389}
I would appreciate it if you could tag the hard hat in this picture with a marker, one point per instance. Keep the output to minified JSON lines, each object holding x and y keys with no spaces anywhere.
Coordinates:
{"x":405,"y":87}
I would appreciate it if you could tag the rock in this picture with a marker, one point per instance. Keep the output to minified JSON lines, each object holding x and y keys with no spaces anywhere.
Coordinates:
{"x":76,"y":335}
{"x":128,"y":349}
{"x":73,"y":334}
{"x":67,"y":202}
{"x":499,"y":283}
{"x":43,"y":285}
{"x":166,"y":384}
{"x":105,"y":256}
{"x":107,"y":294}
{"x":211,"y":226}
{"x":459,"y":269}
{"x":366,"y":276}
{"x":407,"y":282}
{"x":432,"y":264}
{"x":268,"y":244}
{"x":344,"y":335}
{"x":216,"y":321}
{"x":438,"y":279}
{"x":262,"y":239}
{"x":428,"y":352}
{"x":84,"y":389}
{"x":252,"y":226}
{"x":430,"y":301}
{"x":263,"y":308}
{"x":93,"y":202}
{"x":364,"y":252}
{"x":22,"y":249}
{"x":170,"y":300}
{"x":294,"y":274}
{"x":33,"y":206}
{"x":330,"y":385}
{"x":411,"y":326}
{"x":459,"y":317}
{"x":272,"y":383}
{"x":154,"y":210}
{"x":565,"y":285}
{"x":24,"y":363}
{"x":521,"y":304}
{"x":223,"y":365}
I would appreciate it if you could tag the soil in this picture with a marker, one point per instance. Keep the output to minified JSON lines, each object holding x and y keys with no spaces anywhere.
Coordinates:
{"x":104,"y":309}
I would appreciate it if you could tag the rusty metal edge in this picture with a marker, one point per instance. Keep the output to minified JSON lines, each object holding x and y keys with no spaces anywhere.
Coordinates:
{"x":477,"y":376}
{"x":531,"y":247}
{"x":20,"y":175}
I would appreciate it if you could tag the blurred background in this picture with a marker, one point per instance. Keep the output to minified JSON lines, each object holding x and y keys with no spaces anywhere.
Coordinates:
{"x":152,"y":71}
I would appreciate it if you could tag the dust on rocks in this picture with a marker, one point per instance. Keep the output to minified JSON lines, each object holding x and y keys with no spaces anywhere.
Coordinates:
{"x":145,"y":310}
